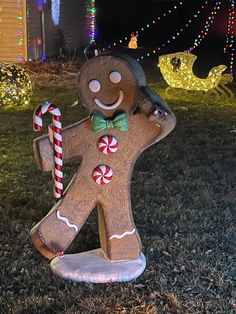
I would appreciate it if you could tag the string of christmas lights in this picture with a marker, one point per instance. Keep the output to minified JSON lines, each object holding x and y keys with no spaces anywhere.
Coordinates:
{"x":148,"y":25}
{"x":178,"y":33}
{"x":20,"y":31}
{"x":204,"y":32}
{"x":90,"y":15}
{"x":228,"y":30}
{"x":230,"y":46}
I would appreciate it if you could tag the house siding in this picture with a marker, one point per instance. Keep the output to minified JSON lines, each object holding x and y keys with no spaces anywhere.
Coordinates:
{"x":34,"y":30}
{"x":10,"y":50}
{"x":51,"y":32}
{"x":73,"y":24}
{"x":69,"y":35}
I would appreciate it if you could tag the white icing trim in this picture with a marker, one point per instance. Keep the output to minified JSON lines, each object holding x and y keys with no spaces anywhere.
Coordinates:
{"x":107,"y":107}
{"x":70,"y":225}
{"x":119,"y":236}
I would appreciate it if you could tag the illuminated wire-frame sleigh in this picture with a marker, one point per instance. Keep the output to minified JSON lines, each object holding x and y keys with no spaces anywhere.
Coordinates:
{"x":177,"y":70}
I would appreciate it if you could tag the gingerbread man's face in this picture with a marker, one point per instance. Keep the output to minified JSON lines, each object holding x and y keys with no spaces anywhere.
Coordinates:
{"x":108,"y":83}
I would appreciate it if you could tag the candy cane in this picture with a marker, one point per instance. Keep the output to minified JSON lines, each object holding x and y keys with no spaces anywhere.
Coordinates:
{"x":56,"y":141}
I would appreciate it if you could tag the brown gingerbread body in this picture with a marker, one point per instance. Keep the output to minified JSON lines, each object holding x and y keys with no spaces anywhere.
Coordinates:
{"x":118,"y":235}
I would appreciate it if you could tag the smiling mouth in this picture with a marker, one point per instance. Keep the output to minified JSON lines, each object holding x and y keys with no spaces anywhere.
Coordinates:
{"x":111,"y":106}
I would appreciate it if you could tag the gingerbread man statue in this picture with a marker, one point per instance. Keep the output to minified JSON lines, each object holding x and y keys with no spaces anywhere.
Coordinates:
{"x":125,"y":117}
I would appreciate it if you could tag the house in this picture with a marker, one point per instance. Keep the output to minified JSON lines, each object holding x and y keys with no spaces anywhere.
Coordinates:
{"x":38,"y":29}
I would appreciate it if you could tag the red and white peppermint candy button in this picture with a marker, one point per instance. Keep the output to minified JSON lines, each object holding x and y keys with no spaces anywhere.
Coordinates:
{"x":108,"y":144}
{"x":102,"y":174}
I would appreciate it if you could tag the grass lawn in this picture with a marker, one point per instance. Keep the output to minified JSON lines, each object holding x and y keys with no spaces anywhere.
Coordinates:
{"x":183,"y":195}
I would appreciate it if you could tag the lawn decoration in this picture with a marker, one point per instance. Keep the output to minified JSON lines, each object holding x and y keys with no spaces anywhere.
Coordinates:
{"x":133,"y":41}
{"x":108,"y":141}
{"x":15,"y":85}
{"x":177,"y":70}
{"x":56,"y":142}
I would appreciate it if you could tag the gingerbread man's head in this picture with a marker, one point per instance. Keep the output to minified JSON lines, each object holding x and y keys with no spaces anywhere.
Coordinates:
{"x":109,"y":83}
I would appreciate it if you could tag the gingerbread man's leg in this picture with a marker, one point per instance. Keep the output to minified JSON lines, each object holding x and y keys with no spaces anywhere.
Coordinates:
{"x":118,"y":235}
{"x":54,"y":233}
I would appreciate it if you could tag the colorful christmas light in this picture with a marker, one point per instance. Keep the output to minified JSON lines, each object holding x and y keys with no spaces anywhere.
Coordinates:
{"x":149,"y":25}
{"x":209,"y":21}
{"x":21,"y":32}
{"x":177,"y":34}
{"x":90,"y":15}
{"x":230,"y":41}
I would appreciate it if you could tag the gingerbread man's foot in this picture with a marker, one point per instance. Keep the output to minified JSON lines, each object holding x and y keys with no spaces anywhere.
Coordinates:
{"x":125,"y":246}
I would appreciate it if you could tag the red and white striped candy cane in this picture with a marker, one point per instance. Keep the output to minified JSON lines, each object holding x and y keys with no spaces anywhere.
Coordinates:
{"x":56,"y":142}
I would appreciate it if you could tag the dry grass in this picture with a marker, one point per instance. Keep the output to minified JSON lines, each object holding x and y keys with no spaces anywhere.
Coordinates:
{"x":183,"y":194}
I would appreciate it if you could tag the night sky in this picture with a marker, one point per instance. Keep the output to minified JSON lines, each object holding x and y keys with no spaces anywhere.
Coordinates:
{"x":117,"y":19}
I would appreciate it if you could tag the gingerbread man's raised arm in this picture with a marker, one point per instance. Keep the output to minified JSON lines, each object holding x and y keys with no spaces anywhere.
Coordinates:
{"x":154,"y":107}
{"x":43,"y":151}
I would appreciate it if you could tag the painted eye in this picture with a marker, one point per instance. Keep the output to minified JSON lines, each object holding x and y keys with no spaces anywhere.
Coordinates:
{"x":115,"y":77}
{"x":94,"y":86}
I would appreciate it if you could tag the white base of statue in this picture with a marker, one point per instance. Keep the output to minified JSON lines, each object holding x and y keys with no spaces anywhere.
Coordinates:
{"x":93,"y":266}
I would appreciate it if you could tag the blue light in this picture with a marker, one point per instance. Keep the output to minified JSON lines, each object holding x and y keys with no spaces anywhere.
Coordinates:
{"x":44,"y":58}
{"x":56,"y":5}
{"x":40,"y":5}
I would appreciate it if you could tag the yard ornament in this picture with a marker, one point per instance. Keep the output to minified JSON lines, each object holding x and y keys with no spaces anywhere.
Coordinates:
{"x":16,"y":87}
{"x":133,"y":41}
{"x":125,"y":118}
{"x":177,"y":70}
{"x":55,"y":136}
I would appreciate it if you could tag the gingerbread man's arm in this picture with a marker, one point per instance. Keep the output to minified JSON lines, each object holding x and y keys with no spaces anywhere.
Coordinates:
{"x":157,"y":110}
{"x":72,"y":146}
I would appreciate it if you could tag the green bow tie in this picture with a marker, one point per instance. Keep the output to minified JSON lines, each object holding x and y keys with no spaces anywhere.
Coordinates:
{"x":99,"y":122}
